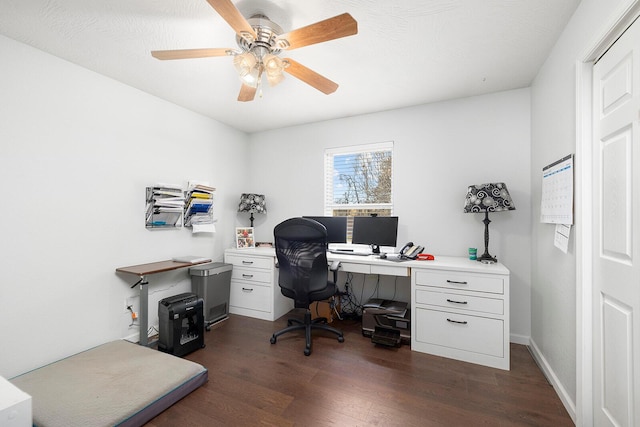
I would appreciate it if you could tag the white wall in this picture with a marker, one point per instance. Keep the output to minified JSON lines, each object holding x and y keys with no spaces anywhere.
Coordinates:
{"x":439,"y":150}
{"x":76,"y":152}
{"x":553,"y":93}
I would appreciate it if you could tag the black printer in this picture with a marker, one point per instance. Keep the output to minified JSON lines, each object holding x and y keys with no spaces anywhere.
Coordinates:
{"x":385,"y":319}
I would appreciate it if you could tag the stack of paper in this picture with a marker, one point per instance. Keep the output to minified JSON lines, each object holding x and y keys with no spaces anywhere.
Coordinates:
{"x":198,"y":209}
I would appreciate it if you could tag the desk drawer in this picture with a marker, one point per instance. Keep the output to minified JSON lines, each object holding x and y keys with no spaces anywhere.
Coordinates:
{"x":354,"y":267}
{"x":461,"y":281}
{"x":250,"y":296}
{"x":461,"y":332}
{"x":391,"y":269}
{"x":252,"y":275}
{"x":249,"y":261}
{"x":460,"y":301}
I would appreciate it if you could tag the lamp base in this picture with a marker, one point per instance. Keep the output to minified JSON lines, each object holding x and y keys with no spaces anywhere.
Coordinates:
{"x":487,"y":259}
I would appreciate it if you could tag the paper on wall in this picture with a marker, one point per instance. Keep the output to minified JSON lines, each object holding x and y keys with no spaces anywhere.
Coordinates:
{"x":561,"y":237}
{"x":203,"y":228}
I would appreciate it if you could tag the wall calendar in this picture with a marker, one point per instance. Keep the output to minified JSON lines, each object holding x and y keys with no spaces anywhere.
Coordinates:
{"x":557,"y":192}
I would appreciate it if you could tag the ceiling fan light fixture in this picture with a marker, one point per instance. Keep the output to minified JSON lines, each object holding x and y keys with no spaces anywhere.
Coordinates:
{"x":244,"y":63}
{"x":252,"y":78}
{"x":248,"y":68}
{"x":273,"y":66}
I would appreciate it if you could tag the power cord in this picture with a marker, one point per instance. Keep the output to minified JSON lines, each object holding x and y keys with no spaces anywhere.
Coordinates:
{"x":376,"y":288}
{"x":334,"y":308}
{"x":349,"y":304}
{"x":134,"y":315}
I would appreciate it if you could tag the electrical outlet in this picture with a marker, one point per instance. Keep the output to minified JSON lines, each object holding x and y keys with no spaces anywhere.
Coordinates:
{"x":128,"y":304}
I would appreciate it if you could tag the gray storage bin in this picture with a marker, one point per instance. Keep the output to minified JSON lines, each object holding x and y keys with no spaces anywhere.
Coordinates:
{"x":212,"y":283}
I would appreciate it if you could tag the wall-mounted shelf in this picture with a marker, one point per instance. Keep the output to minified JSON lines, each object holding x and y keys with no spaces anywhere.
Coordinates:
{"x":165,"y":206}
{"x":198,"y":206}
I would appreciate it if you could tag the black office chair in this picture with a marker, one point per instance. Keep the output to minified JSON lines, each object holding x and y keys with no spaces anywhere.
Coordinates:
{"x":301,"y":248}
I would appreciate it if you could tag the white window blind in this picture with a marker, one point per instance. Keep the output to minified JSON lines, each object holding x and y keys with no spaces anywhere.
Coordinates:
{"x":359,"y":180}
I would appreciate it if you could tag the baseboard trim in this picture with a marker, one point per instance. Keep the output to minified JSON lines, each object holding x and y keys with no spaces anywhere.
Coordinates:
{"x":520,"y":339}
{"x":134,"y":338}
{"x":569,"y":405}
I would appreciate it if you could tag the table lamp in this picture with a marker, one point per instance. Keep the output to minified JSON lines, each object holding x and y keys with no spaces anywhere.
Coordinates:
{"x":253,"y":203}
{"x":487,"y":198}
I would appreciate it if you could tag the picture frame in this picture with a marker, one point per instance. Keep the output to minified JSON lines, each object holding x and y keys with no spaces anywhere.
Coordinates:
{"x":244,"y":238}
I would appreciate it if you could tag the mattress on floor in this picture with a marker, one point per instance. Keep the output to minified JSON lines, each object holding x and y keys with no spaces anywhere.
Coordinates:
{"x":117,"y":383}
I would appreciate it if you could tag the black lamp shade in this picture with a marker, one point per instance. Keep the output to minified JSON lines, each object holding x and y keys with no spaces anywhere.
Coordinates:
{"x":492,"y":197}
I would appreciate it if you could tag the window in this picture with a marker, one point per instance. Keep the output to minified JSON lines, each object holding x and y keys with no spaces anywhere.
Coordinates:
{"x":359,"y":181}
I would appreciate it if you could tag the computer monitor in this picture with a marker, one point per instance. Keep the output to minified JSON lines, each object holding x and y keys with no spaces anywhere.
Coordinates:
{"x":375,"y":231}
{"x":336,"y":227}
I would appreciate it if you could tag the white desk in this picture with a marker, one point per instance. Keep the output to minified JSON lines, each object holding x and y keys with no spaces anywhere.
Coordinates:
{"x":459,"y":307}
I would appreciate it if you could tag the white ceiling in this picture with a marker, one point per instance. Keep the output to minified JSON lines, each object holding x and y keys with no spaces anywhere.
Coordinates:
{"x":406,"y":52}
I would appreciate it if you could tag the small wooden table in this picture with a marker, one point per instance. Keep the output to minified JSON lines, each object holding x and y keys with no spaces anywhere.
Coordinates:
{"x":142,"y":270}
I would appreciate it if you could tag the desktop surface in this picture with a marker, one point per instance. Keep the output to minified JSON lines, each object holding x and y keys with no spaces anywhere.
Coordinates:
{"x":441,"y":262}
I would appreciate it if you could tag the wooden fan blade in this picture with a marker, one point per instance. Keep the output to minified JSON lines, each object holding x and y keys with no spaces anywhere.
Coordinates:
{"x":333,"y":28}
{"x":310,"y":77}
{"x":189,"y":53}
{"x":234,"y":18}
{"x":247,"y":93}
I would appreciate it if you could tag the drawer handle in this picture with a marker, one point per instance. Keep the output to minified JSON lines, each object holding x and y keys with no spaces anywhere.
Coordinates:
{"x":456,"y":283}
{"x":247,"y":262}
{"x":456,"y":302}
{"x":247,"y":290}
{"x":464,"y":322}
{"x":248,"y":276}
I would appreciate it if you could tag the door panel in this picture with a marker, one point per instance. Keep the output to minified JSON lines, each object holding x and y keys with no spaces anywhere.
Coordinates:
{"x":616,"y":196}
{"x":616,"y":233}
{"x":616,"y":86}
{"x":617,"y":358}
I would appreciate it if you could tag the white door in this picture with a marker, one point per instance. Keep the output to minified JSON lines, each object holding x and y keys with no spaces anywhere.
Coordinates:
{"x":616,"y":233}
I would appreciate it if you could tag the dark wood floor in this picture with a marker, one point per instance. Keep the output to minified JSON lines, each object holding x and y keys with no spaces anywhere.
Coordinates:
{"x":356,"y":383}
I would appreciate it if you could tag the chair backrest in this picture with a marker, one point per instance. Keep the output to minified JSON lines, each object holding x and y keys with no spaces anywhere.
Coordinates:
{"x":301,"y":249}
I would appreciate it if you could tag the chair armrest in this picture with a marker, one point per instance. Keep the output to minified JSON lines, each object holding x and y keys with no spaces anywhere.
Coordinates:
{"x":335,"y":265}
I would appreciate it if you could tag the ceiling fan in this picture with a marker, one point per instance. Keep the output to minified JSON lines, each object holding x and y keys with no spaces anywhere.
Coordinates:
{"x":260,"y":42}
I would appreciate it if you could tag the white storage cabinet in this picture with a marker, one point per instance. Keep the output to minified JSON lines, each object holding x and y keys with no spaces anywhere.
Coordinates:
{"x":460,"y":310}
{"x":254,"y":284}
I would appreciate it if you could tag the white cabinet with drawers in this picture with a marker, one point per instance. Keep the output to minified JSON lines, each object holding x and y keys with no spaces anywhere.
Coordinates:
{"x":254,"y":284}
{"x":460,"y":310}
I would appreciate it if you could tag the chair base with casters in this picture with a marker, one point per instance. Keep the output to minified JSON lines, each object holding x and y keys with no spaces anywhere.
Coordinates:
{"x":308,"y":325}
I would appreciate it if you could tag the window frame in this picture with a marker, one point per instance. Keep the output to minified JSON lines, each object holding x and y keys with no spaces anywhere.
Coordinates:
{"x":329,"y":204}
